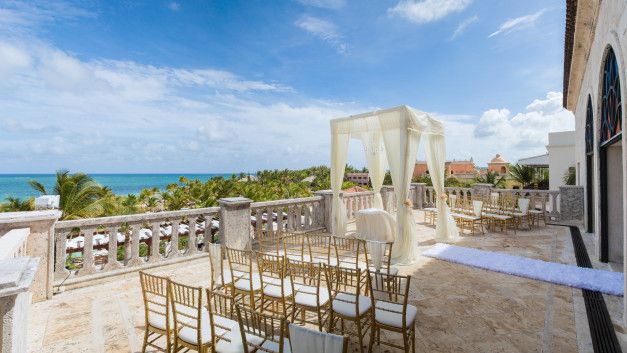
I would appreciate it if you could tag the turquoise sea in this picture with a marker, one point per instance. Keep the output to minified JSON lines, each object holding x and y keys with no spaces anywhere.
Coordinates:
{"x":16,"y":185}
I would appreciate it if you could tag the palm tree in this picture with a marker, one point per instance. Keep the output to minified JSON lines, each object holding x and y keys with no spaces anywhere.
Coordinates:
{"x":14,"y":204}
{"x":523,"y":174}
{"x":491,"y":178}
{"x":80,"y":195}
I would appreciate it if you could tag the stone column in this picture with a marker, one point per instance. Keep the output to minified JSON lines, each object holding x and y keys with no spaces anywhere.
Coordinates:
{"x":15,"y":279}
{"x":419,"y":194}
{"x":40,"y":244}
{"x":235,"y":221}
{"x":327,"y":206}
{"x":571,"y":202}
{"x":480,"y":189}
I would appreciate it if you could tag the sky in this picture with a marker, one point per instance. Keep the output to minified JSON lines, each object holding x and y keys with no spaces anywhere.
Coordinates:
{"x":228,"y":86}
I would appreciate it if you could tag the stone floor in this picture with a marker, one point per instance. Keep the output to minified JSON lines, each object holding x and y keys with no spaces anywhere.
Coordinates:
{"x":461,"y":309}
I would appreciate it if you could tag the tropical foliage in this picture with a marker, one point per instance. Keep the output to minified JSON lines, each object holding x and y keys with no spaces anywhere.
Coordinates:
{"x":523,"y":174}
{"x":570,"y":177}
{"x":493,"y":178}
{"x":14,"y":204}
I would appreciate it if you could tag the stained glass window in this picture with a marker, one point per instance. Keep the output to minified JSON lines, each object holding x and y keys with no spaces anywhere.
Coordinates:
{"x":589,"y":128}
{"x":611,"y":110}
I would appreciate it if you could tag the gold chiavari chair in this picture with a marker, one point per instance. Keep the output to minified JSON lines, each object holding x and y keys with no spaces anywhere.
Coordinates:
{"x":294,"y":247}
{"x":262,"y":332}
{"x":276,"y":286}
{"x":319,"y":247}
{"x":223,"y":320}
{"x":537,"y":209}
{"x":349,"y":300}
{"x":310,"y":295}
{"x":158,"y":319}
{"x":349,"y":252}
{"x":246,"y":282}
{"x":192,"y":323}
{"x":220,"y":274}
{"x":385,"y":250}
{"x":391,"y":310}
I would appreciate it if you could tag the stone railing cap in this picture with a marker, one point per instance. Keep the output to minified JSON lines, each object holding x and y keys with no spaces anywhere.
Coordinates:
{"x":228,"y":201}
{"x":17,"y":275}
{"x":29,"y":216}
{"x":323,"y":192}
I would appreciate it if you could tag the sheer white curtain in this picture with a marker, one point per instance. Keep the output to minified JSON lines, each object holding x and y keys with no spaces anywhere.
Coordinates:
{"x":375,"y":158}
{"x":401,"y":145}
{"x":339,"y":152}
{"x":435,"y":150}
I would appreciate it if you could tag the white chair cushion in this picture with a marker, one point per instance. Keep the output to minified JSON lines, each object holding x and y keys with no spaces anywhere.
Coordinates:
{"x":227,"y":278}
{"x":272,"y":287}
{"x":394,"y":318}
{"x":244,"y":283}
{"x":346,"y":305}
{"x":274,"y":346}
{"x":384,"y":269}
{"x":306,"y":295}
{"x":156,"y":320}
{"x":189,"y":334}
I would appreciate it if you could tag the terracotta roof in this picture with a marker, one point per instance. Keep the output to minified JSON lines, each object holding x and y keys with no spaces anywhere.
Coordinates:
{"x":569,"y":41}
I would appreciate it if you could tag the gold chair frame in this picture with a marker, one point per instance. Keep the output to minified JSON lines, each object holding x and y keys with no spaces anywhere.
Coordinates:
{"x":273,"y":273}
{"x":241,"y":265}
{"x":304,"y":277}
{"x":262,"y":328}
{"x":154,"y":287}
{"x":189,"y":297}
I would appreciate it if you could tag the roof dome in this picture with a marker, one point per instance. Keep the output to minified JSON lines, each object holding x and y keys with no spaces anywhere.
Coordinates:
{"x":498,"y":159}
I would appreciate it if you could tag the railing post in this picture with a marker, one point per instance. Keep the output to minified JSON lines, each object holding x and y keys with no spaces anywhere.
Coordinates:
{"x":326,"y":206}
{"x":40,"y":244}
{"x":571,"y":202}
{"x":16,"y":279}
{"x":419,"y":193}
{"x":235,"y":220}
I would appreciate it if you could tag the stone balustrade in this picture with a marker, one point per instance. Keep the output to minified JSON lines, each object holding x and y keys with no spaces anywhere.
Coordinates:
{"x":89,"y":248}
{"x":356,"y":201}
{"x":273,"y":218}
{"x":13,"y":243}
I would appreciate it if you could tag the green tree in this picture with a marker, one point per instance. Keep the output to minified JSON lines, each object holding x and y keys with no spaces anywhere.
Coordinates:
{"x":570,"y":176}
{"x":80,"y":195}
{"x":14,"y":204}
{"x":491,"y":178}
{"x":523,"y":174}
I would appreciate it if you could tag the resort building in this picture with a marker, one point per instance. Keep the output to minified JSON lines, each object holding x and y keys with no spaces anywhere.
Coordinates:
{"x":358,"y":178}
{"x":558,"y":160}
{"x":594,"y":86}
{"x":464,"y":169}
{"x":498,"y":165}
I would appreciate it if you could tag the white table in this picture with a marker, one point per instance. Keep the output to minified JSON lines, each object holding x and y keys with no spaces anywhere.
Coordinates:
{"x":377,"y":227}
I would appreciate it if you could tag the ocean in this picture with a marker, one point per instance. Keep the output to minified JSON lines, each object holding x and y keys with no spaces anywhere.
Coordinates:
{"x":16,"y":185}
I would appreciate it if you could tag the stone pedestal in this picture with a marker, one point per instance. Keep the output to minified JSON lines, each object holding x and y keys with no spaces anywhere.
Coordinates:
{"x":571,"y":202}
{"x":40,"y":244}
{"x":235,"y":221}
{"x":327,"y":206}
{"x":419,"y":194}
{"x":15,"y":279}
{"x":480,"y":189}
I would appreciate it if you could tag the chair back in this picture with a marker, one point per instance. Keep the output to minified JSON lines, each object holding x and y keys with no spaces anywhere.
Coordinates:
{"x":269,"y":245}
{"x":272,"y":271}
{"x":319,"y":247}
{"x":294,"y":246}
{"x":350,"y":252}
{"x":452,"y":198}
{"x":477,"y":207}
{"x":391,"y":289}
{"x":261,"y":332}
{"x":216,"y":262}
{"x":306,"y":276}
{"x":523,"y":205}
{"x":156,"y":295}
{"x":310,"y":341}
{"x":186,"y":304}
{"x":221,"y":304}
{"x":379,"y":252}
{"x":349,"y":281}
{"x":241,"y":265}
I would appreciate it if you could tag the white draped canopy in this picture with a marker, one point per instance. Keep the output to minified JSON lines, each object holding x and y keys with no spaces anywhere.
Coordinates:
{"x":391,"y":137}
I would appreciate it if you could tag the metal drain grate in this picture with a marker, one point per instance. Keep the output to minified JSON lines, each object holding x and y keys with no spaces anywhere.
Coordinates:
{"x":601,"y":327}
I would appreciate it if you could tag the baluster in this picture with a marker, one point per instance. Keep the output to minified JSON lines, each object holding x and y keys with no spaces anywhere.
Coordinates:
{"x":269,"y":223}
{"x":60,"y":272}
{"x":154,"y":242}
{"x":135,"y":260}
{"x":279,"y":222}
{"x":299,"y":214}
{"x":174,"y":239}
{"x":112,"y":257}
{"x":307,"y":223}
{"x":291,"y":218}
{"x":554,"y":204}
{"x":88,"y":253}
{"x":192,"y":243}
{"x":258,"y":223}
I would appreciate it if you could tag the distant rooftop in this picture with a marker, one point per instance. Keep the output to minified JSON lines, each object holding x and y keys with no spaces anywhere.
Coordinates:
{"x":535,"y":161}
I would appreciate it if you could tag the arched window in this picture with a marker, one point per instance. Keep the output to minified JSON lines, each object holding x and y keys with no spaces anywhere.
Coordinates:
{"x":589,"y":128}
{"x":503,"y":170}
{"x":611,"y":108}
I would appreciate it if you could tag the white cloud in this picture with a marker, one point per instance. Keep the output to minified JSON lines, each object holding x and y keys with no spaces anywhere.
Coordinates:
{"x":424,"y":11}
{"x":174,"y":6}
{"x":461,"y":28}
{"x":325,"y":4}
{"x":17,"y":17}
{"x":513,"y":24}
{"x":322,"y":29}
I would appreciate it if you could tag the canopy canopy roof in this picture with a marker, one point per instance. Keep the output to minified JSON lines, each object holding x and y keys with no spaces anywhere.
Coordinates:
{"x":391,"y":138}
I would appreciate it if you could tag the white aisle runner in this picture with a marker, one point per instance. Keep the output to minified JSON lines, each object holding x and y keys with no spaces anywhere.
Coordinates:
{"x":568,"y":275}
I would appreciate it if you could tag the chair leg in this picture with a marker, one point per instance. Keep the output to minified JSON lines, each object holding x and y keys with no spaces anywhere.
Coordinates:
{"x":371,"y":345}
{"x":145,"y":340}
{"x":359,"y":338}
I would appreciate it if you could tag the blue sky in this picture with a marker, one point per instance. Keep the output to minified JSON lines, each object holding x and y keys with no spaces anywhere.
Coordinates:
{"x":221,"y":86}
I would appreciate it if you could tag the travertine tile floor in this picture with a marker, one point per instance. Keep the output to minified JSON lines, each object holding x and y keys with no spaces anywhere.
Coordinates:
{"x":461,"y":309}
